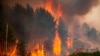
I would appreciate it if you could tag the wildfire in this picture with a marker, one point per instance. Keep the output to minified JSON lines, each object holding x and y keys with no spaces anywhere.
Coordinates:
{"x":56,"y":15}
{"x":38,"y":50}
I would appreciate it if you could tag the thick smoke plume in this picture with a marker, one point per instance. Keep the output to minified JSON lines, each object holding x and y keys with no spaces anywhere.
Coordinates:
{"x":78,"y":7}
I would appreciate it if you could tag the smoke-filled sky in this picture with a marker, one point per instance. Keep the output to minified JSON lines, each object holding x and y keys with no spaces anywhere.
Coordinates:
{"x":89,"y":10}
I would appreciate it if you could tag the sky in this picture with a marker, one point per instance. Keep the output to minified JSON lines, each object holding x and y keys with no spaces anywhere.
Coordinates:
{"x":93,"y":17}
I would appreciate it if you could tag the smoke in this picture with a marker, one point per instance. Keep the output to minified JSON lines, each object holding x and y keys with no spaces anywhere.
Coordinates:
{"x":33,"y":3}
{"x":69,"y":8}
{"x":90,"y":36}
{"x":73,"y":12}
{"x":78,"y":7}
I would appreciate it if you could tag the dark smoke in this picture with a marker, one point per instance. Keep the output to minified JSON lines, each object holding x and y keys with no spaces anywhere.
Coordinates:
{"x":78,"y":7}
{"x":32,"y":3}
{"x":69,"y":7}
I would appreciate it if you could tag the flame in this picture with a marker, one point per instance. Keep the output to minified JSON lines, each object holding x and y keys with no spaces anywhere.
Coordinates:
{"x":38,"y":50}
{"x":57,"y":40}
{"x":15,"y":49}
{"x":57,"y":45}
{"x":69,"y":43}
{"x":59,"y":11}
{"x":48,"y":6}
{"x":11,"y":51}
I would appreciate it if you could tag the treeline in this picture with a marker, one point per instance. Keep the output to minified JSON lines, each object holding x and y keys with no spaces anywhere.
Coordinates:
{"x":25,"y":25}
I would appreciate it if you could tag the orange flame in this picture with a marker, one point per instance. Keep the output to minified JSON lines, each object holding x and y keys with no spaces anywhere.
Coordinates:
{"x":59,"y":11}
{"x":57,"y":15}
{"x":49,"y":7}
{"x":57,"y":40}
{"x":38,"y":50}
{"x":15,"y":49}
{"x":12,"y":50}
{"x":57,"y":45}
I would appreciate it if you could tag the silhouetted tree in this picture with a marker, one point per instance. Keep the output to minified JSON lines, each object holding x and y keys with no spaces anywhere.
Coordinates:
{"x":22,"y":49}
{"x":45,"y":21}
{"x":11,"y":39}
{"x":45,"y":26}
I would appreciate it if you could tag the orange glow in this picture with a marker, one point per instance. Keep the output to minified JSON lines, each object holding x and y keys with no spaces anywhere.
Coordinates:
{"x":57,"y":45}
{"x":48,"y":6}
{"x":59,"y":11}
{"x":67,"y":53}
{"x":57,"y":41}
{"x":15,"y":49}
{"x":38,"y":50}
{"x":11,"y":51}
{"x":69,"y":42}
